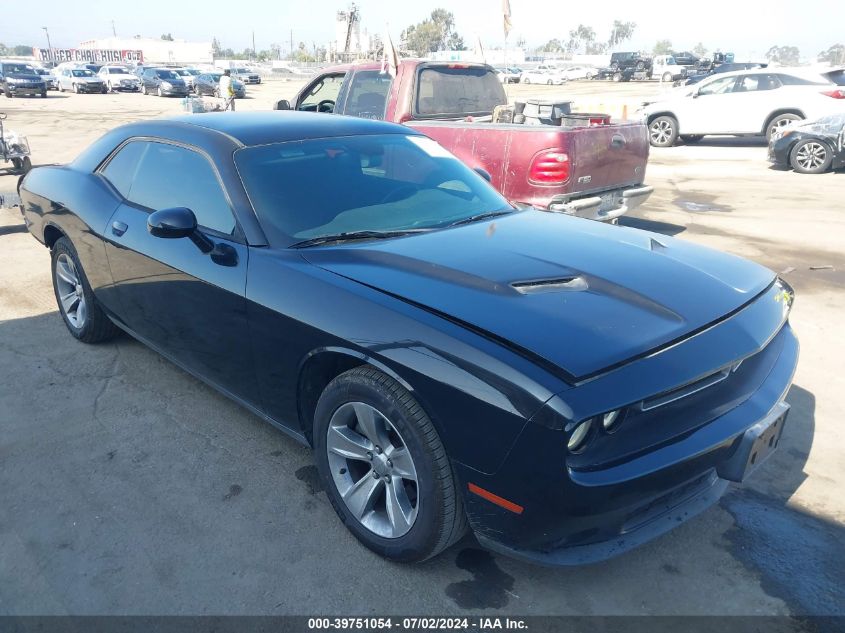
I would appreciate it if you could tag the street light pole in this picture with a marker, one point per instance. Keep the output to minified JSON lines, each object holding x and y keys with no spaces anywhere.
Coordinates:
{"x":49,"y":46}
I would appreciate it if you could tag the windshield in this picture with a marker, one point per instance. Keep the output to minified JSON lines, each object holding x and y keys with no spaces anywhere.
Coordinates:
{"x":181,"y":72}
{"x":18,"y":68}
{"x":216,"y":76}
{"x":82,"y":73}
{"x":241,"y":70}
{"x":309,"y":189}
{"x":118,"y":71}
{"x":458,"y":90}
{"x":167,"y":74}
{"x":192,"y":71}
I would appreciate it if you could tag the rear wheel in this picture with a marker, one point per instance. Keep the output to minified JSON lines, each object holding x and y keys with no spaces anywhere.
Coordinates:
{"x":663,"y":131}
{"x":549,"y":82}
{"x":82,"y":315}
{"x":782,"y":120}
{"x":667,"y":77}
{"x":640,"y":65}
{"x":617,"y":76}
{"x":384,"y":467}
{"x":526,"y":81}
{"x":811,"y":157}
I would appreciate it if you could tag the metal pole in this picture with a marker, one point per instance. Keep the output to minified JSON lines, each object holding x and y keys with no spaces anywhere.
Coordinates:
{"x":254,"y":54}
{"x":113,"y":31}
{"x":49,"y":45}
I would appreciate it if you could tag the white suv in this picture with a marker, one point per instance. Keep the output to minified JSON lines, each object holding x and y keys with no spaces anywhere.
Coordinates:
{"x":741,"y":103}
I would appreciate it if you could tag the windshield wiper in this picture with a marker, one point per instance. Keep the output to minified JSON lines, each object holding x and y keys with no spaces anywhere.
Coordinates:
{"x":355,"y":235}
{"x":480,"y":216}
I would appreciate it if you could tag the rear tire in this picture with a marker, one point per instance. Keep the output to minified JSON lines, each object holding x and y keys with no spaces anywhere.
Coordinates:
{"x":44,"y":95}
{"x":430,"y":503}
{"x":84,"y":318}
{"x":667,"y":77}
{"x":617,"y":76}
{"x":526,"y":81}
{"x":811,"y":156}
{"x":663,"y":131}
{"x":780,"y":121}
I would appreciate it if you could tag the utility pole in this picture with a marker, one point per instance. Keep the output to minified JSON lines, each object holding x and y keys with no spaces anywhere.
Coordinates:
{"x":113,"y":31}
{"x":49,"y":46}
{"x":291,"y":43}
{"x":254,"y":54}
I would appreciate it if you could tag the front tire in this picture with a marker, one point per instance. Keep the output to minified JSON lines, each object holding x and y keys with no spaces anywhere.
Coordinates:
{"x":663,"y":131}
{"x":810,"y":157}
{"x":84,"y":318}
{"x":76,"y":88}
{"x":384,"y":468}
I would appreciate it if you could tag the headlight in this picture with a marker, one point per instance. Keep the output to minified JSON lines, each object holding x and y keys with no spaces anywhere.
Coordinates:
{"x":579,"y":435}
{"x":166,"y":85}
{"x":14,"y":80}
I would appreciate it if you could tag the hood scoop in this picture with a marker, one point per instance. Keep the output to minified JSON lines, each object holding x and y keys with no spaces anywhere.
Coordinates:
{"x":570,"y":284}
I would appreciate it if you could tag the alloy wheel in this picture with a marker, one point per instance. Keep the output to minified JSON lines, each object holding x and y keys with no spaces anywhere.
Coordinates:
{"x":373,"y":469}
{"x":661,"y":132}
{"x":811,"y":155}
{"x":71,"y":293}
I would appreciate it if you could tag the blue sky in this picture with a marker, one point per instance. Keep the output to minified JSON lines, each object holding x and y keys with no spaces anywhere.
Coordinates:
{"x":747,"y":28}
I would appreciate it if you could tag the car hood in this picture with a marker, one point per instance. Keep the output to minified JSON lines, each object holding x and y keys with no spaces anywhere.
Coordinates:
{"x":575,"y":293}
{"x":26,"y":76}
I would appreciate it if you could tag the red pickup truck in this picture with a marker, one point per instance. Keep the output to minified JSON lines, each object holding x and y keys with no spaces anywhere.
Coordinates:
{"x":594,"y":171}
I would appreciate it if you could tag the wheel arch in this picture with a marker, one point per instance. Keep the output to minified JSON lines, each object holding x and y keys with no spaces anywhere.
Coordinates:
{"x":778,"y":112}
{"x":651,"y":117}
{"x":52,"y":234}
{"x":318,"y":369}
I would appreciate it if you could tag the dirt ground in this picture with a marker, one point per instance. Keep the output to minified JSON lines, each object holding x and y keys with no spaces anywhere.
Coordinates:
{"x":126,"y":486}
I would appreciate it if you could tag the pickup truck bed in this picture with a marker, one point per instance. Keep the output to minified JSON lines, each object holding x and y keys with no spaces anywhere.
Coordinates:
{"x":594,"y":171}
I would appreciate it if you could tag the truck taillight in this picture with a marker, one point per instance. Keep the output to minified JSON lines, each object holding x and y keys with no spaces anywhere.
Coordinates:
{"x":836,"y":94}
{"x":549,"y":167}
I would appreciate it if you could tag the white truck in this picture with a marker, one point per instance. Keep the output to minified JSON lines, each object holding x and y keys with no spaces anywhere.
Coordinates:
{"x":666,"y":69}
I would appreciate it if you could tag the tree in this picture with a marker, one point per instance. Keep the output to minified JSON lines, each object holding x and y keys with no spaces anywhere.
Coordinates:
{"x":276,"y":50}
{"x":700,"y":50}
{"x":596,"y":48}
{"x":167,"y":37}
{"x":580,"y":38}
{"x":455,"y":43}
{"x":432,"y":34}
{"x":215,"y":47}
{"x":784,"y":55}
{"x":833,"y":55}
{"x":21,"y":50}
{"x":662,"y":47}
{"x":552,"y":46}
{"x":621,"y":32}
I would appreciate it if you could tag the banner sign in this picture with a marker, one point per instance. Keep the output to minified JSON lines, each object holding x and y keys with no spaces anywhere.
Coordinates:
{"x":100,"y":55}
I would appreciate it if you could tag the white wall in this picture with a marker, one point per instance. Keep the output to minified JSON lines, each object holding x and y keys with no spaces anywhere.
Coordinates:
{"x":157,"y":50}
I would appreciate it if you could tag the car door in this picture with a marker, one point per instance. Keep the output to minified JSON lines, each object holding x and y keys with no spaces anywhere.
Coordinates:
{"x":187,"y":303}
{"x":706,"y":110}
{"x":758,"y":93}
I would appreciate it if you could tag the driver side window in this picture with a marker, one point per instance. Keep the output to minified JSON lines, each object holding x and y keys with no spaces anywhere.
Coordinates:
{"x":322,"y":94}
{"x":718,"y":87}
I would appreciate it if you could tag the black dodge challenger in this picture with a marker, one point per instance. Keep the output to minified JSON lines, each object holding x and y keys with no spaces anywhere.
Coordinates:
{"x":565,"y":389}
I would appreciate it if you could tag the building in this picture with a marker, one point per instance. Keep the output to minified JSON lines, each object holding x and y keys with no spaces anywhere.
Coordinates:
{"x":158,"y":51}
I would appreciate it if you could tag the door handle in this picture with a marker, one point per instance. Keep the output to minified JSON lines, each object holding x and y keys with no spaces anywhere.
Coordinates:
{"x":617,"y":141}
{"x":119,"y":228}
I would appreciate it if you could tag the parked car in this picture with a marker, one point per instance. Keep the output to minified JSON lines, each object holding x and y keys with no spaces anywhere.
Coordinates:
{"x":740,"y":103}
{"x":478,"y":341}
{"x":578,"y":72}
{"x":208,"y":84}
{"x":188,"y":75}
{"x":163,"y":82}
{"x":721,"y":69}
{"x":18,"y":78}
{"x":246,"y":75}
{"x":810,"y":147}
{"x":80,"y":80}
{"x":599,"y":176}
{"x":508,"y":75}
{"x":548,"y":77}
{"x":630,"y":60}
{"x":686,"y":58}
{"x":49,"y":79}
{"x":667,"y":69}
{"x":119,"y":78}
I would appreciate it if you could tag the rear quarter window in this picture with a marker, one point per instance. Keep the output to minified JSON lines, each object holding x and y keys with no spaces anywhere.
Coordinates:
{"x":121,"y":168}
{"x":792,"y":80}
{"x":457,"y":91}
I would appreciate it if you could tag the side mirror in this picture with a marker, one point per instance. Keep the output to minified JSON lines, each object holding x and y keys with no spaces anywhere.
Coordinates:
{"x":282,"y":104}
{"x":484,"y":174}
{"x":172,"y":223}
{"x":175,"y":223}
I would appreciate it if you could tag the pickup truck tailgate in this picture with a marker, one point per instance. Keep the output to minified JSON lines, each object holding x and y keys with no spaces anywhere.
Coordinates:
{"x":606,"y":157}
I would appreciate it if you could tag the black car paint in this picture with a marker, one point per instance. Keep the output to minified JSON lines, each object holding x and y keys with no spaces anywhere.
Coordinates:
{"x":34,"y":83}
{"x":152,"y":83}
{"x":271,"y":331}
{"x":780,"y":149}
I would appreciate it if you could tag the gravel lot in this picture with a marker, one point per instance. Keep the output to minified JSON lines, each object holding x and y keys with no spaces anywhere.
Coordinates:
{"x":126,"y":486}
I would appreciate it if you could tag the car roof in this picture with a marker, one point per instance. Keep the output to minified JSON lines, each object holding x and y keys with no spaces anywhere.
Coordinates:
{"x":263,"y":128}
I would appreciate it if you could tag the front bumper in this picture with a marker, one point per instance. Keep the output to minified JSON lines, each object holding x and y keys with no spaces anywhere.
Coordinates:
{"x":174,"y":92}
{"x":578,"y":511}
{"x":31,"y":89}
{"x":604,"y":207}
{"x":92,"y":88}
